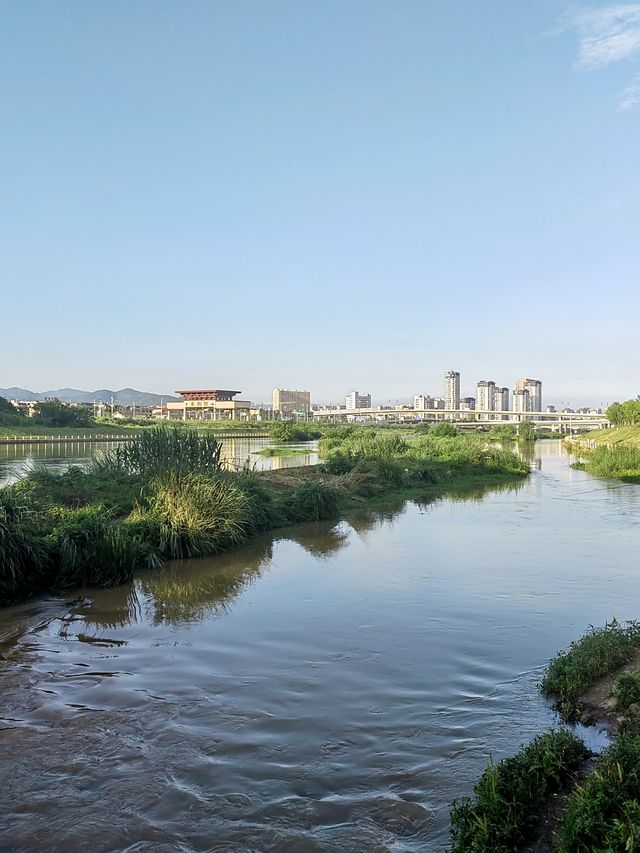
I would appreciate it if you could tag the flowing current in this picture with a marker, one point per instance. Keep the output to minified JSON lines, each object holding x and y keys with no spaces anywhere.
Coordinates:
{"x":329,"y":687}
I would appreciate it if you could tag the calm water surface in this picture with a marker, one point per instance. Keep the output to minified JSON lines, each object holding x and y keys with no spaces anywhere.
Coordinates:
{"x":330,"y":688}
{"x":16,"y":460}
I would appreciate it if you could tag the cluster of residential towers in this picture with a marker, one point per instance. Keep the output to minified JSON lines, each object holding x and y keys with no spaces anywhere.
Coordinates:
{"x":526,"y":396}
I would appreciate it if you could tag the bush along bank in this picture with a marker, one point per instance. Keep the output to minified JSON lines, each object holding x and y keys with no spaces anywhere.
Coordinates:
{"x":600,"y":652}
{"x":548,"y":793}
{"x":618,"y":462}
{"x":167,"y":495}
{"x":503,"y":813}
{"x":598,"y":679}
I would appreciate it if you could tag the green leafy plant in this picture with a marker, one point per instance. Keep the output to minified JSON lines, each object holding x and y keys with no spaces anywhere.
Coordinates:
{"x":599,"y":652}
{"x":604,"y":813}
{"x":501,"y":814}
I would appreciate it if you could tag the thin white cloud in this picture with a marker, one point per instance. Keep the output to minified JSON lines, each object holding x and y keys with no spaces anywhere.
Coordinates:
{"x":607,"y":35}
{"x":630,"y":97}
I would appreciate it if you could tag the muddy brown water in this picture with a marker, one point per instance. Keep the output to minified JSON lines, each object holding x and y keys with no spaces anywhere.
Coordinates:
{"x":331,"y":687}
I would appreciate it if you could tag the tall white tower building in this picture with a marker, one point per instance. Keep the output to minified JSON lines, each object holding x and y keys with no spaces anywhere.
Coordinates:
{"x":452,"y":390}
{"x":486,"y":398}
{"x":534,"y":389}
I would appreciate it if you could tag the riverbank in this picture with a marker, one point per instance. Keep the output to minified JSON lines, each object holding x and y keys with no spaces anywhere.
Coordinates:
{"x":616,"y":462}
{"x":554,"y":795}
{"x":628,"y":436}
{"x":168,"y":496}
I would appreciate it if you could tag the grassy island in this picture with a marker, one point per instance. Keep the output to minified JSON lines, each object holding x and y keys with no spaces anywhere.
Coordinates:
{"x":168,"y":495}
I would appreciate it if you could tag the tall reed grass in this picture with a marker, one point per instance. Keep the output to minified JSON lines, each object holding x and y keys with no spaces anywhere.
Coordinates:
{"x":164,"y":450}
{"x":618,"y":462}
{"x":24,"y":555}
{"x":192,"y":515}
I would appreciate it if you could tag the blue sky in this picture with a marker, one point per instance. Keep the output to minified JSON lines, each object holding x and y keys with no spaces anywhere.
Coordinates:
{"x":328,"y":195}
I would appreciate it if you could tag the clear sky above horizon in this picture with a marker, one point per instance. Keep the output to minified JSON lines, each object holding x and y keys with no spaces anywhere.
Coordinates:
{"x":328,"y":195}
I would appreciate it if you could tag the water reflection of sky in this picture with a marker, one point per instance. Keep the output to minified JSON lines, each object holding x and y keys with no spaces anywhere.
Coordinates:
{"x":341,"y":683}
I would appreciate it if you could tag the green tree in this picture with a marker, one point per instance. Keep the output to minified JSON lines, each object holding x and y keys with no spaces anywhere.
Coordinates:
{"x":53,"y":413}
{"x":527,"y":431}
{"x":7,"y":408}
{"x":615,"y":413}
{"x":445,"y":429}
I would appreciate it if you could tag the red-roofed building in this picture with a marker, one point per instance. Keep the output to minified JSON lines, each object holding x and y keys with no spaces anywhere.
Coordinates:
{"x":211,"y":404}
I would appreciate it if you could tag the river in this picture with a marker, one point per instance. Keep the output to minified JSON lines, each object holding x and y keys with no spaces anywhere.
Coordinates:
{"x":16,"y":460}
{"x":330,"y":687}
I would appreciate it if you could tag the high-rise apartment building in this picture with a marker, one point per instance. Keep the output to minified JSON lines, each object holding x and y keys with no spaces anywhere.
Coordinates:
{"x":356,"y":400}
{"x":534,"y":389}
{"x":467,"y":404}
{"x":452,"y":390}
{"x":521,"y":401}
{"x":501,"y":401}
{"x":423,"y":401}
{"x":287,"y":402}
{"x":485,"y":398}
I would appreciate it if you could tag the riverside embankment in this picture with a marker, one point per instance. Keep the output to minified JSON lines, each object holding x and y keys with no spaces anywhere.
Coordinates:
{"x":329,"y":687}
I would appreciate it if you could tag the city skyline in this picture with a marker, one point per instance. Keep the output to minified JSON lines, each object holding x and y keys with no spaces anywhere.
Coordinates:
{"x":223,"y":189}
{"x":438,"y":392}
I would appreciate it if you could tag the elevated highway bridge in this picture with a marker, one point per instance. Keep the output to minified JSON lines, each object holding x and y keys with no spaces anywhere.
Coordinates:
{"x":557,"y":421}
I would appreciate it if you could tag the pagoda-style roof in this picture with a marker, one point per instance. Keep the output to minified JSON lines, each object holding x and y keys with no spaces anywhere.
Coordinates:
{"x":210,"y":394}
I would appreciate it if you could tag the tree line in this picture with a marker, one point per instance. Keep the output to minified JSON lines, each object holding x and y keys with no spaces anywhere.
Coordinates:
{"x":51,"y":413}
{"x":625,"y":414}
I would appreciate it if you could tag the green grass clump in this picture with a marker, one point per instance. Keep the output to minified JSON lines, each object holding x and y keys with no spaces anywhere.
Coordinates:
{"x":193,"y":516}
{"x":604,"y":813}
{"x":599,"y":652}
{"x":281,"y":451}
{"x":619,"y":462}
{"x":163,"y":450}
{"x":312,"y":501}
{"x":507,"y":799}
{"x":92,"y":549}
{"x":24,"y":555}
{"x":74,"y":488}
{"x":626,"y":691}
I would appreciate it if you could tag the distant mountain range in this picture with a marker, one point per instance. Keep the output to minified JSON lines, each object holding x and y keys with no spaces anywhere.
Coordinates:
{"x":124,"y":397}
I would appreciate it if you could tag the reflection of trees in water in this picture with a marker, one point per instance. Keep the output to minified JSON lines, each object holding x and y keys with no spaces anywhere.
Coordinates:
{"x":319,"y":538}
{"x":366,"y":520}
{"x":474,"y":493}
{"x":526,"y":450}
{"x":108,"y":608}
{"x":191,"y":590}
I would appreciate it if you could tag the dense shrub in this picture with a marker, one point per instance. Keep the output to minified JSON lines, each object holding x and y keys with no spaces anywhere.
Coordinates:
{"x":604,"y":813}
{"x":24,"y":556}
{"x":94,"y":550}
{"x":193,"y":515}
{"x":312,"y":501}
{"x":626,"y":691}
{"x":599,"y":652}
{"x":507,"y":799}
{"x":619,"y":462}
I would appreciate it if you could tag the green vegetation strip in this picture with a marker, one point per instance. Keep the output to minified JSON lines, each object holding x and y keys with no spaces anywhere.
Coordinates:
{"x":604,"y":813}
{"x":282,"y":451}
{"x":618,"y":462}
{"x":600,"y":652}
{"x":167,"y":495}
{"x":507,"y":801}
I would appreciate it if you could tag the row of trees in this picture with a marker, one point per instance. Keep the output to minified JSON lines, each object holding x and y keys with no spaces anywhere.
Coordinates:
{"x":51,"y":413}
{"x":625,"y":414}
